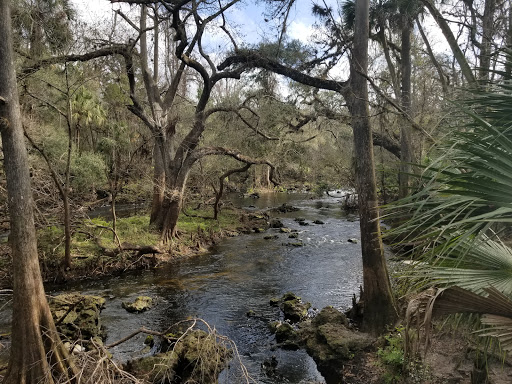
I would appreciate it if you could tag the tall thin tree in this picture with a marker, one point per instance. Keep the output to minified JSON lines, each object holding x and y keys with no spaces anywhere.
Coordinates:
{"x":36,"y":349}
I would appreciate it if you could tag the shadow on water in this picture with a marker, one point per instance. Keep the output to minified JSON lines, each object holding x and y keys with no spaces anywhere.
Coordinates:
{"x":241,"y":274}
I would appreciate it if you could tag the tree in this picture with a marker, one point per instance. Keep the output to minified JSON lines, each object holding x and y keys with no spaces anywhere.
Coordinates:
{"x":36,"y":348}
{"x":379,"y":309}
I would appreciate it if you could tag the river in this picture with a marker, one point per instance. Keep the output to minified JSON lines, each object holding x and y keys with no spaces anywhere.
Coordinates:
{"x":242,"y":274}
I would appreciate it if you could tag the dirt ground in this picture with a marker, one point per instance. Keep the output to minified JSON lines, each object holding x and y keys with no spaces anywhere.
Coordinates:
{"x":449,"y":361}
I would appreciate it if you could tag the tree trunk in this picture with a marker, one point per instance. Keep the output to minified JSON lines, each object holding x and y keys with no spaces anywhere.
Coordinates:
{"x":487,"y":38}
{"x":405,"y":130}
{"x":379,"y":309}
{"x":508,"y":58}
{"x":156,"y":217}
{"x":37,"y":354}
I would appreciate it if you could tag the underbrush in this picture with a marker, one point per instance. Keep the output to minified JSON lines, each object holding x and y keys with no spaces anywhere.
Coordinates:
{"x":400,"y":368}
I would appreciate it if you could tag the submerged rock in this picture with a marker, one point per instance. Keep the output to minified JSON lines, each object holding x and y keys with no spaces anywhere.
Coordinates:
{"x":294,"y":244}
{"x":78,"y":316}
{"x":197,"y":357}
{"x":271,"y":237}
{"x":293,"y":235}
{"x":320,"y":222}
{"x":353,"y":241}
{"x":141,"y":304}
{"x":285,"y":230}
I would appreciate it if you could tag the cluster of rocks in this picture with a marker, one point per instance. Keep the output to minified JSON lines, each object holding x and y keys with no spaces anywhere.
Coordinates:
{"x":327,"y":337}
{"x":193,"y":356}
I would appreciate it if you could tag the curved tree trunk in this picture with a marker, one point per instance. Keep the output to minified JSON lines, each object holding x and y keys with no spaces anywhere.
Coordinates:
{"x":379,"y":308}
{"x":37,"y":354}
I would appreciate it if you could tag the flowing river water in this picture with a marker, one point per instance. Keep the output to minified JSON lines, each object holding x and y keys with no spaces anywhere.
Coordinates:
{"x":242,"y":274}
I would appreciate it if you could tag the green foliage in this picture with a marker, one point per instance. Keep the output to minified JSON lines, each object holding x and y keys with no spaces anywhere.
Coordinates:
{"x":392,"y":356}
{"x":87,"y":108}
{"x":88,"y":170}
{"x":459,"y":218}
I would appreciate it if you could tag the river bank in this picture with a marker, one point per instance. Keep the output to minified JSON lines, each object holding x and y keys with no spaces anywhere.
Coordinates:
{"x":97,"y":252}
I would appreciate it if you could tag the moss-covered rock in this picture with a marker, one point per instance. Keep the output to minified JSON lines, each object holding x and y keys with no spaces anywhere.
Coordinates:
{"x":78,"y":316}
{"x":285,"y":230}
{"x":271,"y":237}
{"x":293,"y":235}
{"x":293,"y":308}
{"x":197,"y":357}
{"x":330,"y":343}
{"x":141,"y":304}
{"x":330,"y":315}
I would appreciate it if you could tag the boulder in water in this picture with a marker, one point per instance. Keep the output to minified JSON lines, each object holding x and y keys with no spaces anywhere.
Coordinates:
{"x":141,"y":304}
{"x":285,"y":208}
{"x":293,"y":308}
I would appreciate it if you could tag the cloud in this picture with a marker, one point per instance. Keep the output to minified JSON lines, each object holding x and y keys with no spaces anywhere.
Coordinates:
{"x":300,"y":31}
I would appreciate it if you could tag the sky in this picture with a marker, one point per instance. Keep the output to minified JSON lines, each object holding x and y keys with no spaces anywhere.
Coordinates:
{"x":249,"y":20}
{"x":248,"y":17}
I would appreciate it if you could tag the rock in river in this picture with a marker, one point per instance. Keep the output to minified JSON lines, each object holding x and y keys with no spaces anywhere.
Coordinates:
{"x":141,"y":304}
{"x":293,"y":308}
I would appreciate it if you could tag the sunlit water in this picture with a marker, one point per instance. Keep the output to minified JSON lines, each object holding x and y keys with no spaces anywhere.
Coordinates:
{"x":241,"y":274}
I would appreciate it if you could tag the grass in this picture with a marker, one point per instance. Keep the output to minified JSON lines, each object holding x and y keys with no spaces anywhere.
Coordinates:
{"x":199,"y":219}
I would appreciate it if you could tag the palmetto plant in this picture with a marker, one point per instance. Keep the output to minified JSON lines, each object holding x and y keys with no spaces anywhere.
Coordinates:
{"x":457,"y":223}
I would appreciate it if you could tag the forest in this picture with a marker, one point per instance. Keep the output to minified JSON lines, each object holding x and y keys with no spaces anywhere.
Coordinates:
{"x":268,"y":191}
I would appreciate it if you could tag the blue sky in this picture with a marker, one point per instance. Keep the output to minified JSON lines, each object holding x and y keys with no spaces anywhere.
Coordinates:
{"x":247,"y":17}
